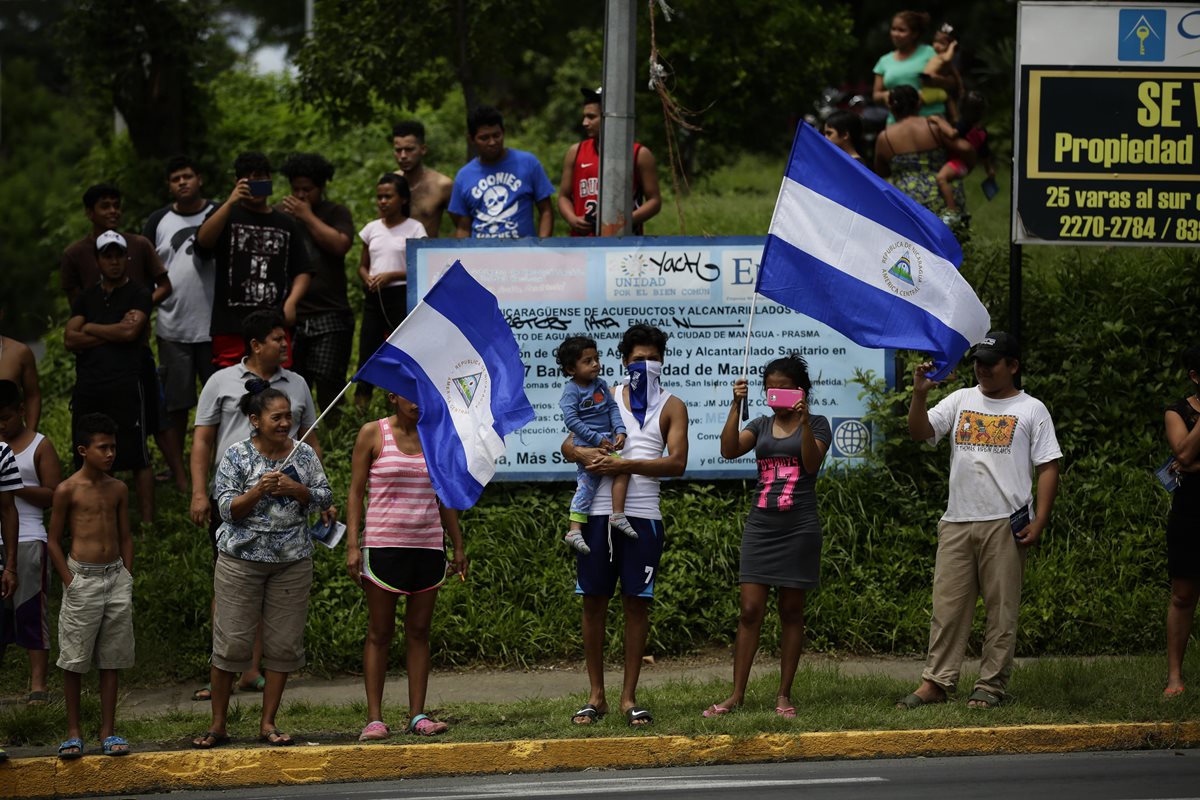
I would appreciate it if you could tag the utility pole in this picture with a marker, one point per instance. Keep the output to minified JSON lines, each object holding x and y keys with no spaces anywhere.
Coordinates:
{"x":616,"y":132}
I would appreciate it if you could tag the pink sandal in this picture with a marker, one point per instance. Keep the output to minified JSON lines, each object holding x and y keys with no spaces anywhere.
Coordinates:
{"x":374,"y":732}
{"x":422,"y":725}
{"x":787,"y":712}
{"x":717,"y":711}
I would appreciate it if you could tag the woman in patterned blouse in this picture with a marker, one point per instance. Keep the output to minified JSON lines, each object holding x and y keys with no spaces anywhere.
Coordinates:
{"x":264,"y":492}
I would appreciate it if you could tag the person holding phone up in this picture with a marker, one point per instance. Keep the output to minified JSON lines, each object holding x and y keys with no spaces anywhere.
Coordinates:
{"x":1000,"y":438}
{"x":261,"y":261}
{"x":781,"y":544}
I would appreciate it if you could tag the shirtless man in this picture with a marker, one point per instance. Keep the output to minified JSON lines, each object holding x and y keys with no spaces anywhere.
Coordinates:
{"x":430,"y":189}
{"x":18,"y":365}
{"x":96,"y":618}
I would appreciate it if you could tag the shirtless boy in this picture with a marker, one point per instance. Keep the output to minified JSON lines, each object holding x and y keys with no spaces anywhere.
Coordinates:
{"x":18,"y":365}
{"x":96,"y":619}
{"x":430,"y":189}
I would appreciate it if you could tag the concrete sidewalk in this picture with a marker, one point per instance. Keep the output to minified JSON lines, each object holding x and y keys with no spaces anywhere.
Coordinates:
{"x":142,"y":772}
{"x":448,"y":687}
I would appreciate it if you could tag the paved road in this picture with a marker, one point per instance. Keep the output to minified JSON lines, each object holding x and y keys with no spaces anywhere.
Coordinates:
{"x":1157,"y":775}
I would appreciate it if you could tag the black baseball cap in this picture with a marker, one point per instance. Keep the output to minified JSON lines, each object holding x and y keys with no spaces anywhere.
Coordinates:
{"x":592,"y":95}
{"x":995,"y":346}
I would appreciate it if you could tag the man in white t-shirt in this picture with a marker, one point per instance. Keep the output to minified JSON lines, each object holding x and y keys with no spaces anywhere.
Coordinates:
{"x":1002,"y":438}
{"x":184,"y":346}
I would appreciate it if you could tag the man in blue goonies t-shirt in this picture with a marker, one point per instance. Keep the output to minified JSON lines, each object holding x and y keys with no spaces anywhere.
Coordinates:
{"x":495,"y":194}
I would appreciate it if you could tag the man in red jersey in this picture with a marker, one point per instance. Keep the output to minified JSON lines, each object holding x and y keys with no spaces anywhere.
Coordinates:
{"x":579,"y":189}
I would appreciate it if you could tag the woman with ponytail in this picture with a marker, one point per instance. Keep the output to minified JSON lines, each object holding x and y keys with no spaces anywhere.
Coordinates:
{"x":265,"y":489}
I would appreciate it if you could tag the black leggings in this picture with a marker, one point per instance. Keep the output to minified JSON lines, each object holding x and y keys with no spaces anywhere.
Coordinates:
{"x":382,"y":312}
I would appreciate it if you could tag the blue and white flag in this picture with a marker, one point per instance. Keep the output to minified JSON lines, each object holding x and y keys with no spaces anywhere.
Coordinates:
{"x":456,"y":358}
{"x":849,"y":249}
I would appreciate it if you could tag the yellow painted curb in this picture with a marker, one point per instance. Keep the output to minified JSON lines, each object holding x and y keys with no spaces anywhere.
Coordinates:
{"x":230,"y":768}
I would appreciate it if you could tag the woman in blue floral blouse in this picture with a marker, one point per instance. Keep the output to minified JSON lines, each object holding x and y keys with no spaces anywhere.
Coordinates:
{"x":264,"y":562}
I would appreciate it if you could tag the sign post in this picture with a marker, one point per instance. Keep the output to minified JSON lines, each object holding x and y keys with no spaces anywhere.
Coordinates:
{"x":1107,"y":124}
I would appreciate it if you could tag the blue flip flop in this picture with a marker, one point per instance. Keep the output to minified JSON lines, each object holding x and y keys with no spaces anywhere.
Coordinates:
{"x":111,"y":743}
{"x":77,"y":743}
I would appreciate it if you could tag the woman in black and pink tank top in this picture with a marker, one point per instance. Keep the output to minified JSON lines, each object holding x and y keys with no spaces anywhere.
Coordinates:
{"x":402,"y":553}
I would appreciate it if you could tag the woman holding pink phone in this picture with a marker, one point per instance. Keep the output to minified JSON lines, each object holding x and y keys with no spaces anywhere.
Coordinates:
{"x":781,"y":544}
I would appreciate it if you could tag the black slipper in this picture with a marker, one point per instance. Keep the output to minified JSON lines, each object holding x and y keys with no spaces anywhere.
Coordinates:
{"x":276,"y":738}
{"x":588,"y":712}
{"x":638,"y":717}
{"x":210,"y":740}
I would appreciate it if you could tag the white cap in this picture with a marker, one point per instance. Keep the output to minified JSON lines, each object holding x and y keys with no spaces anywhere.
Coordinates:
{"x":110,"y":238}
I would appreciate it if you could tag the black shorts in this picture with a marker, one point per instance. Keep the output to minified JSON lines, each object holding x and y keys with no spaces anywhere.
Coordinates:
{"x":634,"y":561}
{"x":125,"y":403}
{"x":404,"y":570}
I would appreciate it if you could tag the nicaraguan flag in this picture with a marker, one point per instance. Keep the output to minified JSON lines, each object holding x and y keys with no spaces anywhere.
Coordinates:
{"x":456,"y":358}
{"x":849,"y":249}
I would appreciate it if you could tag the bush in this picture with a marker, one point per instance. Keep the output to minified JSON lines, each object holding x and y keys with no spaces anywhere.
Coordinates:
{"x":1103,"y":331}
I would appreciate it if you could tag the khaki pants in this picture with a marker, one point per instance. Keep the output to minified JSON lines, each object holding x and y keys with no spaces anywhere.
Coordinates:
{"x":251,"y":592}
{"x":973,"y":559}
{"x":95,"y":620}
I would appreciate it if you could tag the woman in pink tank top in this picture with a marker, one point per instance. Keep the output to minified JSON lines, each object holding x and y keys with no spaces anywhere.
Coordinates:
{"x":402,"y":552}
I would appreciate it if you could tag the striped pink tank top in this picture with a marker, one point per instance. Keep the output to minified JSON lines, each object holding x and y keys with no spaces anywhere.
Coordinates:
{"x":402,"y":509}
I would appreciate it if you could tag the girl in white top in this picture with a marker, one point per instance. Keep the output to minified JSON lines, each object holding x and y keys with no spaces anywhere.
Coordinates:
{"x":41,"y":473}
{"x":384,"y":270}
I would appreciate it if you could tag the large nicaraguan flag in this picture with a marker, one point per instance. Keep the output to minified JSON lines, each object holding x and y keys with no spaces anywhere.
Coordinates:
{"x":849,"y":249}
{"x":456,"y":358}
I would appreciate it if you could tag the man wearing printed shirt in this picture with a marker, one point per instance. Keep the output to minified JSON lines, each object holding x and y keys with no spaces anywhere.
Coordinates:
{"x":495,"y":194}
{"x":1000,"y":438}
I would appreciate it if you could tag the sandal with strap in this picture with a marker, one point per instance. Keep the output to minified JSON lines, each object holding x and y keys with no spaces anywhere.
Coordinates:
{"x":210,"y":740}
{"x":717,"y":711}
{"x":115,"y":746}
{"x":276,"y":738}
{"x":588,"y":715}
{"x":422,"y":725}
{"x":638,"y":717}
{"x":75,"y":743}
{"x":985,"y":699}
{"x":374,"y":732}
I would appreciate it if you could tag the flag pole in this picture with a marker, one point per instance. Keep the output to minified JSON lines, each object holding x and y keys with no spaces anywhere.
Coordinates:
{"x":746,"y":356}
{"x":328,"y":408}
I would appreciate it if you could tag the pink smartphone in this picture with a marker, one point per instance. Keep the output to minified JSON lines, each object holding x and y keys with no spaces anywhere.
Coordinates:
{"x":783,"y":398}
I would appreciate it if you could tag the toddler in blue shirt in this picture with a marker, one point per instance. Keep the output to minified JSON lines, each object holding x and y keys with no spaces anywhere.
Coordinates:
{"x":591,"y":414}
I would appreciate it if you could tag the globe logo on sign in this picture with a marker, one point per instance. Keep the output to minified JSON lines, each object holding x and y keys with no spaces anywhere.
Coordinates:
{"x":851,"y":438}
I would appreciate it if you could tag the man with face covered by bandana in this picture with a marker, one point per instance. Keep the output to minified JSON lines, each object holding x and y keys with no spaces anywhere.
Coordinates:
{"x":656,"y":447}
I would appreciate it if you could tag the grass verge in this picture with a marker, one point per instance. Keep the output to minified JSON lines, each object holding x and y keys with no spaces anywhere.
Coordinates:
{"x":1046,"y":692}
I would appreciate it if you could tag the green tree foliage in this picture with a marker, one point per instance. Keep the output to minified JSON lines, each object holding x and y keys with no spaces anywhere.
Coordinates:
{"x":750,"y":67}
{"x":41,"y":147}
{"x":148,"y":59}
{"x":364,"y":51}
